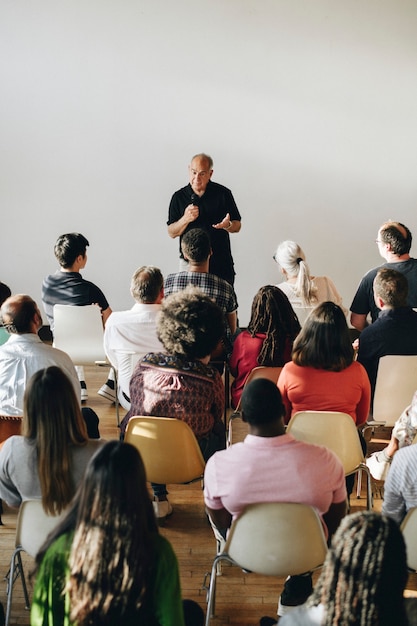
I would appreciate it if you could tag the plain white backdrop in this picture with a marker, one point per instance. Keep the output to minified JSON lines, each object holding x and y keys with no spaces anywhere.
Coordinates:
{"x":308,"y":108}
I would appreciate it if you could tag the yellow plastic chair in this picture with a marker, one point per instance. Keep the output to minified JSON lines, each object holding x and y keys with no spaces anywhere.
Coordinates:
{"x":168,"y":447}
{"x":33,"y":527}
{"x":272,"y":539}
{"x":336,"y":431}
{"x":396,"y":383}
{"x":78,"y":331}
{"x":409,"y":530}
{"x":262,"y":371}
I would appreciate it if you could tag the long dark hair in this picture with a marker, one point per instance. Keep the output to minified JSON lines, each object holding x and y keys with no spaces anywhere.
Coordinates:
{"x":273,"y":315}
{"x":324,"y":341}
{"x":364,"y":575}
{"x":111,"y":555}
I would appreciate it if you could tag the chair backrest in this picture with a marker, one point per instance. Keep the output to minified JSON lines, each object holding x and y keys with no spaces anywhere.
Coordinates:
{"x":277,"y":539}
{"x":78,"y":331}
{"x":302,"y":312}
{"x":168,"y":447}
{"x":332,"y":429}
{"x":409,"y":530}
{"x":33,"y":526}
{"x":396,"y":383}
{"x":262,"y":371}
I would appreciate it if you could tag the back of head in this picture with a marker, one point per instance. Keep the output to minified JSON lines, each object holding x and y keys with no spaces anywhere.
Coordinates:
{"x":5,"y":292}
{"x":112,"y":551}
{"x":195,"y":245}
{"x":261,"y":402}
{"x":324,"y":341}
{"x":273,"y":315}
{"x":365,"y":573}
{"x":68,"y":247}
{"x":392,"y":287}
{"x":398,"y":236}
{"x":146,"y":284}
{"x":190,"y":324}
{"x":17,"y":313}
{"x":291,"y":259}
{"x":53,"y":422}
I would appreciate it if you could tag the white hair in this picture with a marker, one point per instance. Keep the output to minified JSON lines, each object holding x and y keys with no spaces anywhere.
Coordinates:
{"x":291,"y":258}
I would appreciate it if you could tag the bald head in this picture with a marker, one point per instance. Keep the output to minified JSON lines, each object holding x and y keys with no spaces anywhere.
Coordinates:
{"x":20,"y":315}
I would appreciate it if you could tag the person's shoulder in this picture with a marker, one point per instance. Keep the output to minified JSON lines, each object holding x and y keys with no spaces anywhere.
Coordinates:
{"x":12,"y":444}
{"x":217,"y":187}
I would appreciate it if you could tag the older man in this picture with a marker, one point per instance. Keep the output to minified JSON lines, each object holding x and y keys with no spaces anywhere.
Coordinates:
{"x":394,"y":243}
{"x":22,"y":356}
{"x":208,"y":205}
{"x":271,"y":466}
{"x":129,"y":335}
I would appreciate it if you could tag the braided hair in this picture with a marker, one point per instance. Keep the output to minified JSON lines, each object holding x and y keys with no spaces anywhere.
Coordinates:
{"x":364,"y":574}
{"x":273,"y":315}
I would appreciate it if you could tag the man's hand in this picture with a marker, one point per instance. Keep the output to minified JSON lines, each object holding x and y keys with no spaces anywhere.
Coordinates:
{"x":191,"y":213}
{"x":225,"y":224}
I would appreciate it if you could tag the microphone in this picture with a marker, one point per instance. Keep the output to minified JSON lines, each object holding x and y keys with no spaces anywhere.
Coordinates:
{"x":195,"y":199}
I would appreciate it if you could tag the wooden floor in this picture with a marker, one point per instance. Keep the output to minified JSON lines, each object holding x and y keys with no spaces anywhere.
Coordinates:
{"x":241,"y":598}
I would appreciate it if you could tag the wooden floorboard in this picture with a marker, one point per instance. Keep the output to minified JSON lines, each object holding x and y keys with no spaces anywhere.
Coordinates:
{"x":241,"y":598}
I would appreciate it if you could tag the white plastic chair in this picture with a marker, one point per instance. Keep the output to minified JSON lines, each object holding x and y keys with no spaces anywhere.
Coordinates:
{"x":272,"y":539}
{"x":396,"y":383}
{"x":33,"y":527}
{"x":409,"y":530}
{"x":336,"y":431}
{"x":78,"y":331}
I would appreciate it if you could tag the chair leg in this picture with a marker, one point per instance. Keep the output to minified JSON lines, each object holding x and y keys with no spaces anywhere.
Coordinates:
{"x":11,"y":577}
{"x":211,"y":596}
{"x":369,"y":498}
{"x":359,"y":484}
{"x":23,"y":579}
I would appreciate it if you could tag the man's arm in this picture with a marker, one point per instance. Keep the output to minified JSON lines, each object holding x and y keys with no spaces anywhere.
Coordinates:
{"x":221,"y":518}
{"x":232,"y":226}
{"x":358,"y":321}
{"x":334,"y":516}
{"x":106,"y":314}
{"x":177,"y":228}
{"x":232,"y":321}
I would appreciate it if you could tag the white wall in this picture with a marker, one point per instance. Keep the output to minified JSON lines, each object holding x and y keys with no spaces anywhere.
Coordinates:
{"x":308,"y":109}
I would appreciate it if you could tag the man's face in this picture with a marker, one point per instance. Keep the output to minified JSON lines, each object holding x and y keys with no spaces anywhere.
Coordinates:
{"x":200,"y":175}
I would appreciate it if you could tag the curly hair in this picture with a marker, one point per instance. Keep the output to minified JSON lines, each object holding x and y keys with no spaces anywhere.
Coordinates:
{"x":324,"y":341}
{"x":273,"y":315}
{"x":364,"y":574}
{"x":190,"y":324}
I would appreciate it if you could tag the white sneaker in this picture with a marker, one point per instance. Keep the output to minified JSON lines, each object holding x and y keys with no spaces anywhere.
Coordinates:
{"x":162,"y":509}
{"x":107,"y":392}
{"x":379,"y":464}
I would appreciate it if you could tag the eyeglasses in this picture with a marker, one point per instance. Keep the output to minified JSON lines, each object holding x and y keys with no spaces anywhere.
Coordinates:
{"x":379,"y":241}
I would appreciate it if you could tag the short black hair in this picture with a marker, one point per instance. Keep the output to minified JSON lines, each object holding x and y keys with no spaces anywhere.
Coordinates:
{"x":261,"y":402}
{"x":195,"y":245}
{"x":68,"y":247}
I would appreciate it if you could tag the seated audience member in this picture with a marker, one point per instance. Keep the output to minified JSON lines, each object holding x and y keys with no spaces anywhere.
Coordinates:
{"x":363,"y":578}
{"x":394,"y":243}
{"x":234,"y":477}
{"x":196,"y":249}
{"x":67,"y":286}
{"x":403,"y":433}
{"x":322,"y":375}
{"x":181,"y":383}
{"x":395,"y":329}
{"x":22,"y":356}
{"x":400,"y":490}
{"x":5,"y":293}
{"x":129,"y":335}
{"x":106,"y":563}
{"x":303,"y":290}
{"x":268,"y":340}
{"x":48,"y":461}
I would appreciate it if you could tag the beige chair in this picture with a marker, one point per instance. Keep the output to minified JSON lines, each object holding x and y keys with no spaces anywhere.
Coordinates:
{"x":33,"y":527}
{"x":272,"y":539}
{"x":336,"y":431}
{"x":396,"y":383}
{"x":168,"y":447}
{"x":271,"y":373}
{"x":409,"y":530}
{"x":78,"y":331}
